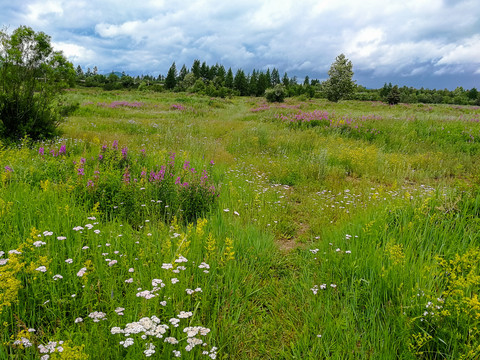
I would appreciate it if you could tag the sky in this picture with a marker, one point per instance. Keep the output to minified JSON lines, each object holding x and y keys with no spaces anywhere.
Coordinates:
{"x":419,"y":43}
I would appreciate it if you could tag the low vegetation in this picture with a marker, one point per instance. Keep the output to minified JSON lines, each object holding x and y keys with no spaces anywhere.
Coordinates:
{"x":176,"y":224}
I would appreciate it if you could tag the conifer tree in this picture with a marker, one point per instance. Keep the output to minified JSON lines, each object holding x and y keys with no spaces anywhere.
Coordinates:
{"x":171,"y":79}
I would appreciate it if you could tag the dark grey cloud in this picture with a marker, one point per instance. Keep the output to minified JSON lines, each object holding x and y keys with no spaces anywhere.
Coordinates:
{"x":436,"y":42}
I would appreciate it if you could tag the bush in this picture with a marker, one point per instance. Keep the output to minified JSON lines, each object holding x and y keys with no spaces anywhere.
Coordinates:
{"x":277,"y":94}
{"x":31,"y":77}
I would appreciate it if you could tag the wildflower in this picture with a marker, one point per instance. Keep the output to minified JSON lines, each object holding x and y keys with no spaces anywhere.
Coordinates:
{"x":61,"y":238}
{"x":85,"y":247}
{"x":58,"y":276}
{"x":348,"y":252}
{"x":156,"y":282}
{"x":113,"y":262}
{"x":82,"y":272}
{"x":96,"y":316}
{"x":78,"y":320}
{"x":174,"y":280}
{"x":185,"y":314}
{"x":236,"y":213}
{"x":119,"y":310}
{"x":150,"y":351}
{"x":177,"y":353}
{"x":171,"y":340}
{"x":69,"y":261}
{"x":41,"y":151}
{"x":174,"y":321}
{"x":128,"y":342}
{"x":78,"y":228}
{"x":181,"y":259}
{"x":129,"y":281}
{"x":39,"y":243}
{"x":96,"y":231}
{"x":80,"y":171}
{"x":41,"y":269}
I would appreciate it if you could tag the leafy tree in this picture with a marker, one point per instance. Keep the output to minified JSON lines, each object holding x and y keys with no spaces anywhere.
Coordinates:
{"x":340,"y":85}
{"x":32,"y":75}
{"x":171,"y":79}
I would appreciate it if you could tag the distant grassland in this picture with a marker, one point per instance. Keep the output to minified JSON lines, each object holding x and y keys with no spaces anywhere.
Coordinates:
{"x":171,"y":224}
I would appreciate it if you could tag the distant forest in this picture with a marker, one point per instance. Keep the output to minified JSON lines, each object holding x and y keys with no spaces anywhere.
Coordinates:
{"x":216,"y":81}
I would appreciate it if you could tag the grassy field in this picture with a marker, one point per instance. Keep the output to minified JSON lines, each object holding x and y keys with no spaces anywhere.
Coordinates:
{"x":170,"y":225}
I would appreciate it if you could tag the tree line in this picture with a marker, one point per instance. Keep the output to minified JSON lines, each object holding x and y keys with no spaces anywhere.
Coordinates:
{"x":217,"y":81}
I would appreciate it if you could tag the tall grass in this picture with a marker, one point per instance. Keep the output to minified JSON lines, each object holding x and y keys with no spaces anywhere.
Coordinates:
{"x":341,"y":231}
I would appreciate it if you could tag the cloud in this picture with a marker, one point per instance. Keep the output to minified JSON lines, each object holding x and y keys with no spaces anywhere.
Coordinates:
{"x":407,"y":38}
{"x":465,"y":52}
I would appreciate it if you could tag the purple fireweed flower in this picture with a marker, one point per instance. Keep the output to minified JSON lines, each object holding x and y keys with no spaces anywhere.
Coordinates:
{"x":104,"y":147}
{"x":115,"y":144}
{"x":143,"y":152}
{"x":63,"y":149}
{"x":177,"y":181}
{"x":126,"y":176}
{"x":124,"y":152}
{"x":41,"y":151}
{"x":53,"y":152}
{"x":81,"y":171}
{"x":83,"y":160}
{"x":211,"y":162}
{"x":100,"y":157}
{"x":8,"y":169}
{"x":90,"y":184}
{"x":186,"y":165}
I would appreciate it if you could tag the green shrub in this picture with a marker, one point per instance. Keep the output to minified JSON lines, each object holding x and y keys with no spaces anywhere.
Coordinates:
{"x":277,"y":94}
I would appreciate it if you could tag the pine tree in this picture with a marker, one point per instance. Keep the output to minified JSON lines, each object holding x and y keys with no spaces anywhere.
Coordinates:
{"x":393,"y":97}
{"x":171,"y":79}
{"x":196,"y":68}
{"x":229,"y":79}
{"x":275,"y":77}
{"x":183,"y":72}
{"x":240,"y":82}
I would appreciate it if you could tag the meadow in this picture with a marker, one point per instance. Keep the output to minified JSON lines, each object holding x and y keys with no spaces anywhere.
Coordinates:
{"x":170,"y":225}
